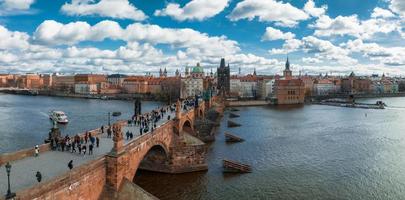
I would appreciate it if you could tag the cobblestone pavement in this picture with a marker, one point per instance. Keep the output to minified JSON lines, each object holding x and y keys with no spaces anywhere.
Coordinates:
{"x":54,"y":163}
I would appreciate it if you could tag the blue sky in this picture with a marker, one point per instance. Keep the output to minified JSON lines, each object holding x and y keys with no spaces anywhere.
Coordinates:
{"x":138,"y":36}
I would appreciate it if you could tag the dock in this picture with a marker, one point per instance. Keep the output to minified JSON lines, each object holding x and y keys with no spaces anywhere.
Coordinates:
{"x":233,"y":124}
{"x":232,"y":138}
{"x":231,"y":166}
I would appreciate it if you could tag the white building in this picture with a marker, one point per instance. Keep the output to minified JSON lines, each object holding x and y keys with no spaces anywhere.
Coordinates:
{"x":116,"y":79}
{"x":269,"y":91}
{"x":323,"y":87}
{"x":84,"y":88}
{"x":235,"y":86}
{"x":191,"y":86}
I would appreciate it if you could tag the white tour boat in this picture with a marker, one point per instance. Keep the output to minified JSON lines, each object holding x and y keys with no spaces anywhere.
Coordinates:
{"x":59,"y":117}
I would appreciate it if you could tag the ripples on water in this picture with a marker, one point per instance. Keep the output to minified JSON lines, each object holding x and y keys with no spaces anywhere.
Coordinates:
{"x":310,"y":152}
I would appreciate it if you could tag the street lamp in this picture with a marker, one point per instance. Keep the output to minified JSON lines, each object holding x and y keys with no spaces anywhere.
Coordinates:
{"x":9,"y":195}
{"x":109,"y":121}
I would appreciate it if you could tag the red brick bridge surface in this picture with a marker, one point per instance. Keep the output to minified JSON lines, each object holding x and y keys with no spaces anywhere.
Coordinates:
{"x":170,"y":148}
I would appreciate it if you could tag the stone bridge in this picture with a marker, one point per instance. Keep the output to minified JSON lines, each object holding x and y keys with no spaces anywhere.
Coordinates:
{"x":170,"y":148}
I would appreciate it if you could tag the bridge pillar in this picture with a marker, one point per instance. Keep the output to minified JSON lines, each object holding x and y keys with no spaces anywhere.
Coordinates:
{"x":116,"y":161}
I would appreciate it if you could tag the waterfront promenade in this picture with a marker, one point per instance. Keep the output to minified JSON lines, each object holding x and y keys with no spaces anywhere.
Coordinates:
{"x":54,"y":163}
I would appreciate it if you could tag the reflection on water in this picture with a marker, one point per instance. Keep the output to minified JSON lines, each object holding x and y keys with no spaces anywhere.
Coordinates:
{"x":24,"y":120}
{"x":307,"y":152}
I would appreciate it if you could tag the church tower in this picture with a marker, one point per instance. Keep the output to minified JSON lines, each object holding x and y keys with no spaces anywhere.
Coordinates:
{"x":287,"y":72}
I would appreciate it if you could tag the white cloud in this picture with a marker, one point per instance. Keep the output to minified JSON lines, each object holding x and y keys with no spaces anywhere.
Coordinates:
{"x":312,"y":10}
{"x":13,"y":40}
{"x":54,"y":33}
{"x":283,"y":14}
{"x":275,"y":34}
{"x":351,"y":25}
{"x":193,"y":10}
{"x":290,"y":45}
{"x":379,"y":12}
{"x":120,"y":9}
{"x":398,"y":6}
{"x":311,"y":60}
{"x":394,"y":56}
{"x":326,"y":50}
{"x":16,"y":4}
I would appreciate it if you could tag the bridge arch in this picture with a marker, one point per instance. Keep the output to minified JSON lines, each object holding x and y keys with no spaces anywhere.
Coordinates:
{"x":187,"y":126}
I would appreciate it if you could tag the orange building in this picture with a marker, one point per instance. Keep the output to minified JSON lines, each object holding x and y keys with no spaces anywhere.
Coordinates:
{"x":90,"y":78}
{"x":289,"y":90}
{"x":30,"y":81}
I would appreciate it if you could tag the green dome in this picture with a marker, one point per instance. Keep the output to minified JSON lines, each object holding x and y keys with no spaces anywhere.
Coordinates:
{"x":198,"y":69}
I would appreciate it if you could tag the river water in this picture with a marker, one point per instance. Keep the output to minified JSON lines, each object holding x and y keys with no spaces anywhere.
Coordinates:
{"x":306,"y":152}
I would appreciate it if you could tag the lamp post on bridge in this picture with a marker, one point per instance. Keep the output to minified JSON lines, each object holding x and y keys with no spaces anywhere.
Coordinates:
{"x":9,"y":194}
{"x":109,"y":120}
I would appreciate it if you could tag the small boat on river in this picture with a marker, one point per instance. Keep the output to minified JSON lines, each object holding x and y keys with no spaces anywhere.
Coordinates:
{"x":58,"y":117}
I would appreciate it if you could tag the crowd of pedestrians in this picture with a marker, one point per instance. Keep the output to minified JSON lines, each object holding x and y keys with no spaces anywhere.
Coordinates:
{"x":76,"y":144}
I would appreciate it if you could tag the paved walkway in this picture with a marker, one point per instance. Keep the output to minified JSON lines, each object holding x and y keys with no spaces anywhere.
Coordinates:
{"x":54,"y":163}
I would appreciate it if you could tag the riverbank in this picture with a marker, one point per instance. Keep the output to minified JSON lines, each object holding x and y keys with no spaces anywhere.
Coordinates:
{"x":123,"y":97}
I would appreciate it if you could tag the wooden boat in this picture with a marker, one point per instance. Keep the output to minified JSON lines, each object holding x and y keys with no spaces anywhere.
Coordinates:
{"x":233,"y":115}
{"x":232,"y":138}
{"x":231,"y":166}
{"x":233,"y":124}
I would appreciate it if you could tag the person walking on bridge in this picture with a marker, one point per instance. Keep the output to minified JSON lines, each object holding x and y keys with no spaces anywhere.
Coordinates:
{"x":91,"y":149}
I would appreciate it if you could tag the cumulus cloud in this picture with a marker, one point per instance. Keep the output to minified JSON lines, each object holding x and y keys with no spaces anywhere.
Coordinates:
{"x":16,"y":7}
{"x":398,"y":6}
{"x":311,"y":60}
{"x":54,"y":33}
{"x":194,"y":10}
{"x":120,"y":9}
{"x":13,"y":39}
{"x":290,"y":45}
{"x":283,"y":14}
{"x":45,"y":51}
{"x":351,"y":25}
{"x":384,"y":55}
{"x":275,"y":34}
{"x":379,"y":12}
{"x":312,"y":10}
{"x":326,"y":50}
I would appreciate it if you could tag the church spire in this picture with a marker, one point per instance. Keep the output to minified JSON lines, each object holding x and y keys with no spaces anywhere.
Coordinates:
{"x":287,"y":64}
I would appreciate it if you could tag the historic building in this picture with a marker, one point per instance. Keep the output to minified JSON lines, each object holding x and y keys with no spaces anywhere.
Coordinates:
{"x":289,"y":90}
{"x":65,"y":83}
{"x":116,"y":79}
{"x":193,"y":83}
{"x":356,"y":85}
{"x":223,"y":76}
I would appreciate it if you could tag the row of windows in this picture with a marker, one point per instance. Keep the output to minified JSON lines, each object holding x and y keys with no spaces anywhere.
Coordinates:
{"x":292,"y":97}
{"x":291,"y":92}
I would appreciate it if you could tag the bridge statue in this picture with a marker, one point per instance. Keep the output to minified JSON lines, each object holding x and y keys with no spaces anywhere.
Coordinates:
{"x":137,"y":107}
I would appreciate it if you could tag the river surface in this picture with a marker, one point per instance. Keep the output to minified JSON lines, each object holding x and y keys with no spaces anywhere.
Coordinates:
{"x":24,"y":120}
{"x":307,"y":152}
